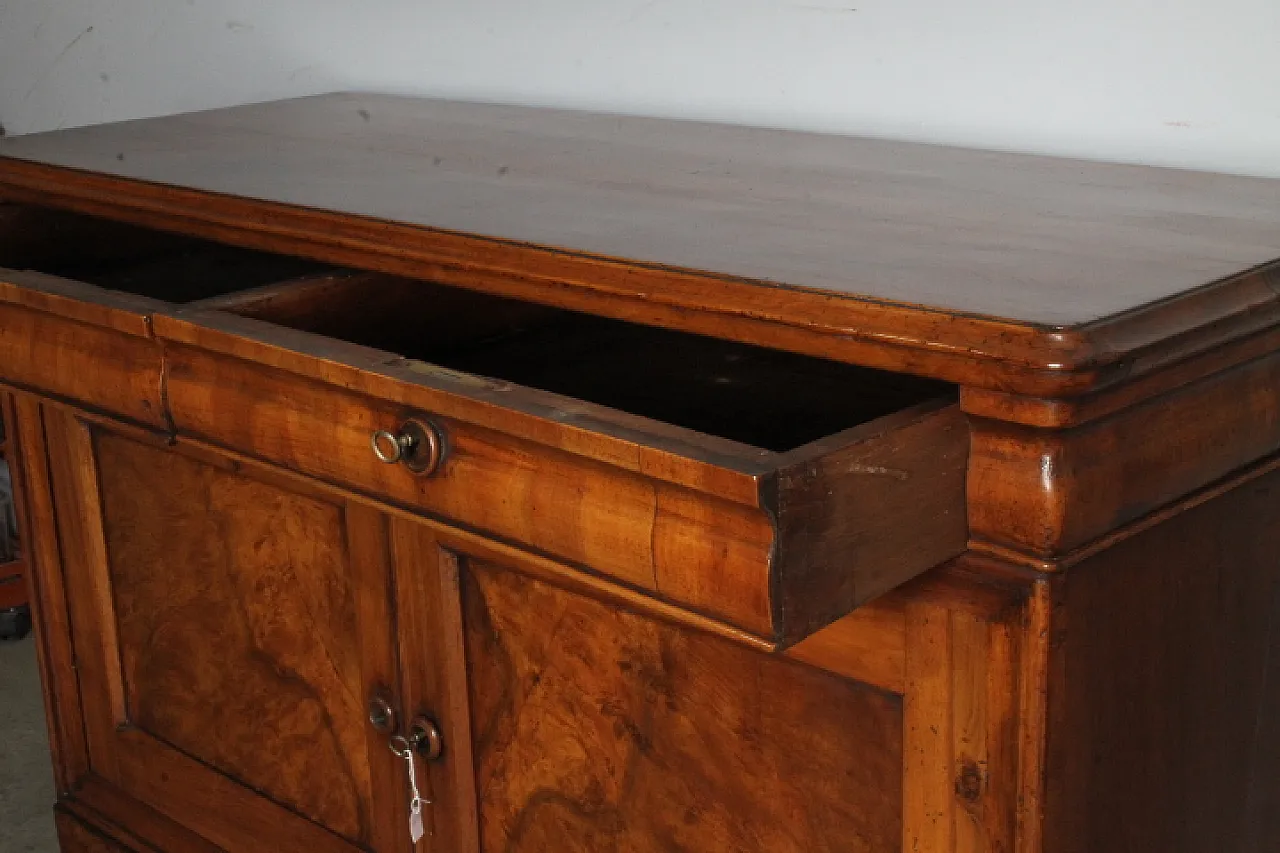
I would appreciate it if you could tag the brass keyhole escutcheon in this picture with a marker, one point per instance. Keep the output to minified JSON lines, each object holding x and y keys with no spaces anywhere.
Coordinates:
{"x":382,"y":714}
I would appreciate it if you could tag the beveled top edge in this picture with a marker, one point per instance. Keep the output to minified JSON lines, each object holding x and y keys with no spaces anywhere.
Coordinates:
{"x":1025,"y":356}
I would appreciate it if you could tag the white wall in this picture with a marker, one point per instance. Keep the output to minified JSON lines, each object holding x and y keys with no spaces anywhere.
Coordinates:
{"x":1181,"y":82}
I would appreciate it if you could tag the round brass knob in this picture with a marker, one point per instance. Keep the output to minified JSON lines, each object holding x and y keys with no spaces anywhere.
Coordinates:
{"x":419,"y":445}
{"x":425,"y":736}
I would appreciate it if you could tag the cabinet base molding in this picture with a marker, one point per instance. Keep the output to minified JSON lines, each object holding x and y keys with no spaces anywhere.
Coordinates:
{"x":98,"y":818}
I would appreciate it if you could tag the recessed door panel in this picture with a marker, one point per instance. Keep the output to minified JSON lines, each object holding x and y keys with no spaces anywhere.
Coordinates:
{"x":599,"y":730}
{"x":232,"y":627}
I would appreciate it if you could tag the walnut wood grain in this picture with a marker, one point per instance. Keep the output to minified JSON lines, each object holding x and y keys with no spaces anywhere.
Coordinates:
{"x":74,"y":836}
{"x":1048,"y":492}
{"x":77,"y":507}
{"x":868,"y":645}
{"x":246,"y":625}
{"x":1162,"y":729}
{"x":584,"y":713}
{"x":616,"y":615}
{"x":1076,"y":411}
{"x":203,"y":560}
{"x":108,"y":811}
{"x":839,"y":522}
{"x":55,"y":653}
{"x":1032,"y":695}
{"x":582,"y":511}
{"x":98,"y":367}
{"x":903,"y":477}
{"x":883,"y":250}
{"x":433,"y":658}
{"x":536,"y":565}
{"x":681,"y":456}
{"x":961,"y":717}
{"x":79,"y":301}
{"x":296,"y":300}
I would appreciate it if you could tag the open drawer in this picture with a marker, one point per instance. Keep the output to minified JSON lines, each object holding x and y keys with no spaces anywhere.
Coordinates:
{"x":769,"y":491}
{"x":76,"y":294}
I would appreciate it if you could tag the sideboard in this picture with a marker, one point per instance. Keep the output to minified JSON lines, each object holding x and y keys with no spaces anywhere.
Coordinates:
{"x":401,"y":474}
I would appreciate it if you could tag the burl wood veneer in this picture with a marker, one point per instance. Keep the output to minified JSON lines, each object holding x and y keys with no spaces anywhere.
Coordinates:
{"x":640,"y":486}
{"x":620,"y":700}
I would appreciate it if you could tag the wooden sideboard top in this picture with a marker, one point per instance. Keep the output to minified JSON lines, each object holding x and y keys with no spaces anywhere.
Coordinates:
{"x":1022,"y":273}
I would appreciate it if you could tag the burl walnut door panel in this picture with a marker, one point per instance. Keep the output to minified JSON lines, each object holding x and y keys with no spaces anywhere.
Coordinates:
{"x":229,"y":630}
{"x":598,"y":730}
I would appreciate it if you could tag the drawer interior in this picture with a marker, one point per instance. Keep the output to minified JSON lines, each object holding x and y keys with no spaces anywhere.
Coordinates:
{"x":135,"y":260}
{"x":764,"y":398}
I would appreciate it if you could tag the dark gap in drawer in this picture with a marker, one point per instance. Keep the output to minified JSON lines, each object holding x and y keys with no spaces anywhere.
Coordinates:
{"x":135,"y":260}
{"x":765,"y":398}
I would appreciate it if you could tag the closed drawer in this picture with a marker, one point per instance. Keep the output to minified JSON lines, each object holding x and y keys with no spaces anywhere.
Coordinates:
{"x":769,"y":491}
{"x":74,"y":342}
{"x":76,"y":295}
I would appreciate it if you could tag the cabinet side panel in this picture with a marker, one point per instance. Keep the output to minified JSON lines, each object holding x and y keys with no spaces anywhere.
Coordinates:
{"x":1165,"y":707}
{"x":599,"y":730}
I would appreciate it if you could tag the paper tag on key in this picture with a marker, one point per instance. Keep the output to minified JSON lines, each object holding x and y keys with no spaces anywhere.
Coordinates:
{"x":416,"y":801}
{"x":415,"y":823}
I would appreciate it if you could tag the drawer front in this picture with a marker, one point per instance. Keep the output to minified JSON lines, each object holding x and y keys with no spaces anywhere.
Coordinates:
{"x":630,"y":527}
{"x":68,"y":341}
{"x":77,"y":295}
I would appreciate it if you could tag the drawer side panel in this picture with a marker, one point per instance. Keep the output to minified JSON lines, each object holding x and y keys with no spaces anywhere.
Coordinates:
{"x":865,"y":518}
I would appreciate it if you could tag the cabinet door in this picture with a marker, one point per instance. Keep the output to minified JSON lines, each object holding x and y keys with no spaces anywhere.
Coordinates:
{"x":597,"y":729}
{"x":230,"y":627}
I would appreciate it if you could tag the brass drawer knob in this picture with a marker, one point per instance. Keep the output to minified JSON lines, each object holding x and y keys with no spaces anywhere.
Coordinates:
{"x":425,"y":736}
{"x":419,"y":446}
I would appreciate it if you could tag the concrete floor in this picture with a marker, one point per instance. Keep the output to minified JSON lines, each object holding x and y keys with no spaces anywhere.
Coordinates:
{"x":26,"y":777}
